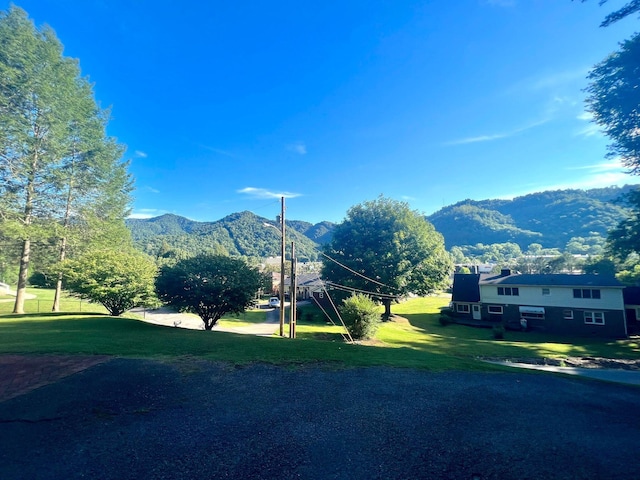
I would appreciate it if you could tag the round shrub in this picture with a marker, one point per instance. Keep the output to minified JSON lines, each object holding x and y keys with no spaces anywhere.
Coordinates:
{"x":360,"y":315}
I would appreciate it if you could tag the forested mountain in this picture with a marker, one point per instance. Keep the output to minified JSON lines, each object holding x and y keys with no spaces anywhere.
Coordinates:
{"x":241,"y":233}
{"x":550,"y":218}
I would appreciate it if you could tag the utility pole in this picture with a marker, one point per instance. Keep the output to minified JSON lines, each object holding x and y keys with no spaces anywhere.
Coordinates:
{"x":282,"y":232}
{"x":292,"y":293}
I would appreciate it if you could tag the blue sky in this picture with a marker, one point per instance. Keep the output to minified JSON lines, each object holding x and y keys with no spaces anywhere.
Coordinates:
{"x":226,"y":106}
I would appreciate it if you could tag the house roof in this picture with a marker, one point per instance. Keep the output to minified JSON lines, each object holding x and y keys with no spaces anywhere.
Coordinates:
{"x":465,"y":287}
{"x":305,"y":280}
{"x":552,"y":280}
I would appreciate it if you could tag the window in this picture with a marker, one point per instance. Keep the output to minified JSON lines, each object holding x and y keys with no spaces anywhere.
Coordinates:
{"x":586,"y":293}
{"x":515,"y":291}
{"x":462,"y":308}
{"x":546,"y":291}
{"x":567,"y":314}
{"x":494,"y":309}
{"x":594,"y":318}
{"x":531,"y":315}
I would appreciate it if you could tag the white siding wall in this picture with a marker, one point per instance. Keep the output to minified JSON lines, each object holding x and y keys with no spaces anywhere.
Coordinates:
{"x":611,"y":298}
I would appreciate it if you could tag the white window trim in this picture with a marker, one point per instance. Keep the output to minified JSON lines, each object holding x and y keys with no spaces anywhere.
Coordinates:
{"x":460,"y":308}
{"x":567,"y":317}
{"x":501,"y":312}
{"x":593,"y":321}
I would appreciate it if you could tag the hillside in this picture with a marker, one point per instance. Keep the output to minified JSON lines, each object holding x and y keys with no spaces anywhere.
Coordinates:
{"x":550,"y":218}
{"x":241,"y":233}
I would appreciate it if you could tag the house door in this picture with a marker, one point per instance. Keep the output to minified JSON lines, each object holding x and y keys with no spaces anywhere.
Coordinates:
{"x":476,"y":312}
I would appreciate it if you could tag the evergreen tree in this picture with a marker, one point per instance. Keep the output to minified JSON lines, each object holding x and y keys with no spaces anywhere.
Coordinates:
{"x":55,"y":158}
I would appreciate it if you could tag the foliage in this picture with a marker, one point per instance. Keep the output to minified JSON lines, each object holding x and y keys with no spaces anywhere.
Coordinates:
{"x":360,"y":315}
{"x":624,"y":239}
{"x":209,"y":286}
{"x":599,"y":265}
{"x":552,"y":218}
{"x":394,"y":247}
{"x":240,"y":234}
{"x":57,"y":162}
{"x":630,"y":276}
{"x":628,"y":9}
{"x":613,"y":100}
{"x":118,"y":279}
{"x":498,"y":332}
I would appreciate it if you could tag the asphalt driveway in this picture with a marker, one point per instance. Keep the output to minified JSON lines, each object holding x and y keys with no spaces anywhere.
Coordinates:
{"x":192,"y":419}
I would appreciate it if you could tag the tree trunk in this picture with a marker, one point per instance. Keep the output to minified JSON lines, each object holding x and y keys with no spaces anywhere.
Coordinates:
{"x":387,"y":309}
{"x":63,"y":241}
{"x":58,"y":294}
{"x":23,"y":274}
{"x":21,"y":290}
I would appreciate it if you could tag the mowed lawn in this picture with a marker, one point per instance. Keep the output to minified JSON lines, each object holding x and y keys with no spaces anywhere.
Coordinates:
{"x":415,"y":339}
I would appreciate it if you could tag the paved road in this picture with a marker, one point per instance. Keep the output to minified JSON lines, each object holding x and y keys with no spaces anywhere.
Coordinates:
{"x":192,"y":419}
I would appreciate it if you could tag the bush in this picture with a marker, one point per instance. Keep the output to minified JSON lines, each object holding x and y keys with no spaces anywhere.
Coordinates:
{"x":360,"y":315}
{"x":445,"y":320}
{"x":498,"y":332}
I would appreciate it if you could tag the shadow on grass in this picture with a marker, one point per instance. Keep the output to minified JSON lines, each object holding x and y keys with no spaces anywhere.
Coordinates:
{"x":468,"y":341}
{"x":105,"y":335}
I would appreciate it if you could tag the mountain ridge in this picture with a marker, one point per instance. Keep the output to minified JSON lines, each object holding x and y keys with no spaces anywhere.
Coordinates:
{"x":551,"y":218}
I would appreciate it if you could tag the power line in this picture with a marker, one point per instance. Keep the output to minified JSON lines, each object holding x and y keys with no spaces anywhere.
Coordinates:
{"x":354,"y":272}
{"x":345,"y":288}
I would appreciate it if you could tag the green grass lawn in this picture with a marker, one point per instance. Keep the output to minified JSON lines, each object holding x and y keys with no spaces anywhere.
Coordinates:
{"x":44,"y":302}
{"x":416,"y":339}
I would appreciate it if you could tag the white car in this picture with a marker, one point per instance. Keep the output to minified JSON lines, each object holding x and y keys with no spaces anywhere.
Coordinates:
{"x":274,"y":302}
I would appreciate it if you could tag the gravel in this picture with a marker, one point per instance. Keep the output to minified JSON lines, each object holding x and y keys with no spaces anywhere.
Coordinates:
{"x":192,"y":419}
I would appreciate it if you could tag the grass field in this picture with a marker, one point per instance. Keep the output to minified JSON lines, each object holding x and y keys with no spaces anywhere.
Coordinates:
{"x":414,"y":339}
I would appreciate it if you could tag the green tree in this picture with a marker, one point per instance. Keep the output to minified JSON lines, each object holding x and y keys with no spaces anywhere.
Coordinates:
{"x":624,"y":239}
{"x":209,"y":286}
{"x":48,"y":124}
{"x":360,"y":315}
{"x":628,"y":9}
{"x":387,"y":249}
{"x":613,"y":99}
{"x":599,"y":265}
{"x":118,"y":279}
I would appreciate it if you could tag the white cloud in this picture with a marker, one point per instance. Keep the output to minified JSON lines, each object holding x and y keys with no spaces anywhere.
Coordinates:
{"x":558,"y":79}
{"x":600,"y":175}
{"x":589,"y":130}
{"x":218,"y":151}
{"x":496,"y":136}
{"x":263,"y":193}
{"x":500,"y":3}
{"x":298,"y":147}
{"x":585,"y":116}
{"x":140,"y":154}
{"x":151,"y":189}
{"x":144,"y":213}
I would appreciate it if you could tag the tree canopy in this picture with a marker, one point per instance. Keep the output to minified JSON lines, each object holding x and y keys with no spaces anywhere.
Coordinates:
{"x":209,"y":286}
{"x":614,"y":100}
{"x":388,"y":250}
{"x":628,"y":9}
{"x":57,"y":166}
{"x":118,"y":279}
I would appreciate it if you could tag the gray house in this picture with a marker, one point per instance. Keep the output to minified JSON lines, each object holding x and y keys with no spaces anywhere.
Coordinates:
{"x":586,"y":305}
